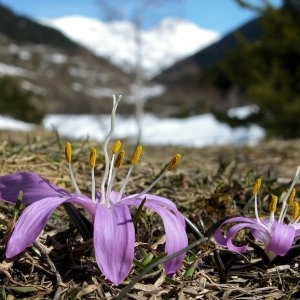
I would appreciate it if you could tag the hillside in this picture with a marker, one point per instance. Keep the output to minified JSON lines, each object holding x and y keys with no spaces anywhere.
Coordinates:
{"x":187,"y":92}
{"x":24,"y":31}
{"x":66,"y":77}
{"x":63,"y":76}
{"x":161,"y":45}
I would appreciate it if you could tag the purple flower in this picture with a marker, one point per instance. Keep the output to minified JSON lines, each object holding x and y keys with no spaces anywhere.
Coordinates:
{"x":114,"y":234}
{"x":276,"y":236}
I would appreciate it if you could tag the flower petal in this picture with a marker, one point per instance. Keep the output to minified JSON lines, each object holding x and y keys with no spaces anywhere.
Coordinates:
{"x":33,"y":186}
{"x":159,"y":201}
{"x":236,"y":228}
{"x":174,"y":224}
{"x":114,"y":196}
{"x":219,"y":237}
{"x":297,"y":228}
{"x":282,"y":238}
{"x":243,"y":222}
{"x":114,"y":238}
{"x":33,"y":220}
{"x":176,"y":238}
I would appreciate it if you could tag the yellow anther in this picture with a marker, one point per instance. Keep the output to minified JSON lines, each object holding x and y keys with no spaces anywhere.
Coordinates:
{"x":93,"y":157}
{"x":119,"y":159}
{"x":136,"y":155}
{"x":273,"y":204}
{"x":116,"y":147}
{"x":295,"y":210}
{"x":291,"y":198}
{"x":68,"y":152}
{"x":256,"y":186}
{"x":174,"y":162}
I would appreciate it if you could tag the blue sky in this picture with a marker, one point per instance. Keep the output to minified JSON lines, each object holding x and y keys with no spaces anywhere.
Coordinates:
{"x":219,"y":15}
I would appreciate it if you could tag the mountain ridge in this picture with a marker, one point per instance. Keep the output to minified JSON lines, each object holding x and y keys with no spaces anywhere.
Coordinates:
{"x":161,"y":45}
{"x":25,"y":30}
{"x":198,"y":94}
{"x":68,"y":78}
{"x":64,"y":77}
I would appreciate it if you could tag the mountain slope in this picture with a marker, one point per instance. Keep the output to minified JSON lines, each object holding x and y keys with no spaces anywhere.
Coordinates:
{"x":196,"y":94}
{"x":63,"y":76}
{"x":25,"y":30}
{"x":214,"y":53}
{"x":161,"y":46}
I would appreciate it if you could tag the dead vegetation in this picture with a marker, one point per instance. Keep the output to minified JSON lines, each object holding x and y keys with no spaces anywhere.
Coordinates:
{"x":211,"y":183}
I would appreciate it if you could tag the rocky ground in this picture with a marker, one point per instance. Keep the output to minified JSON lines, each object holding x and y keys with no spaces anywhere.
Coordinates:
{"x":210,"y":184}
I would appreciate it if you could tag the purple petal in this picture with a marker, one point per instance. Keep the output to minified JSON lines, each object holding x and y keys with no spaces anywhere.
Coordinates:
{"x":33,"y":220}
{"x":219,"y":237}
{"x":282,"y":238}
{"x":297,"y":228}
{"x":236,"y":228}
{"x":114,"y":238}
{"x":114,"y":196}
{"x":33,"y":186}
{"x":159,"y":201}
{"x":176,"y":236}
{"x":243,"y":222}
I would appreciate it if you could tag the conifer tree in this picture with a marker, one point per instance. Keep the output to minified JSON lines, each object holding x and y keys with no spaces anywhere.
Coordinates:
{"x":267,"y":71}
{"x":16,"y":102}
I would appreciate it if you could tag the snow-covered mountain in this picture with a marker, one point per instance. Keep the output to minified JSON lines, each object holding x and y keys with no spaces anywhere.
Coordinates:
{"x":171,"y":40}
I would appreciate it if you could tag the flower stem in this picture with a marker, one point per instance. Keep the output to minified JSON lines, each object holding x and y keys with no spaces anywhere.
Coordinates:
{"x":111,"y":132}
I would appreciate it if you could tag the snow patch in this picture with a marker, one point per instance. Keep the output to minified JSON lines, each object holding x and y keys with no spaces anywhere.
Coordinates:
{"x":11,"y":70}
{"x":99,"y":92}
{"x":242,"y":112}
{"x":156,"y":131}
{"x":57,"y":58}
{"x":144,"y":92}
{"x":29,"y":86}
{"x":12,"y":124}
{"x":19,"y":53}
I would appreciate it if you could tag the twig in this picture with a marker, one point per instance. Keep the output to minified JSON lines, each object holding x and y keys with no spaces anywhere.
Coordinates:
{"x":45,"y":256}
{"x":137,"y":278}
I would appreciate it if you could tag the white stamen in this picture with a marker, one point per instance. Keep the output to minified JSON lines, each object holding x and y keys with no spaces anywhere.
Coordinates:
{"x":74,"y":183}
{"x":110,"y":183}
{"x":272,"y":219}
{"x":93,"y":185}
{"x":111,"y":168}
{"x":170,"y":166}
{"x":256,"y":208}
{"x":146,"y":190}
{"x":297,"y":220}
{"x":284,"y":204}
{"x":121,"y":192}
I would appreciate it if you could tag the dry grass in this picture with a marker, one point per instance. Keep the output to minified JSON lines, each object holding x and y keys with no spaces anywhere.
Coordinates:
{"x":211,"y":183}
